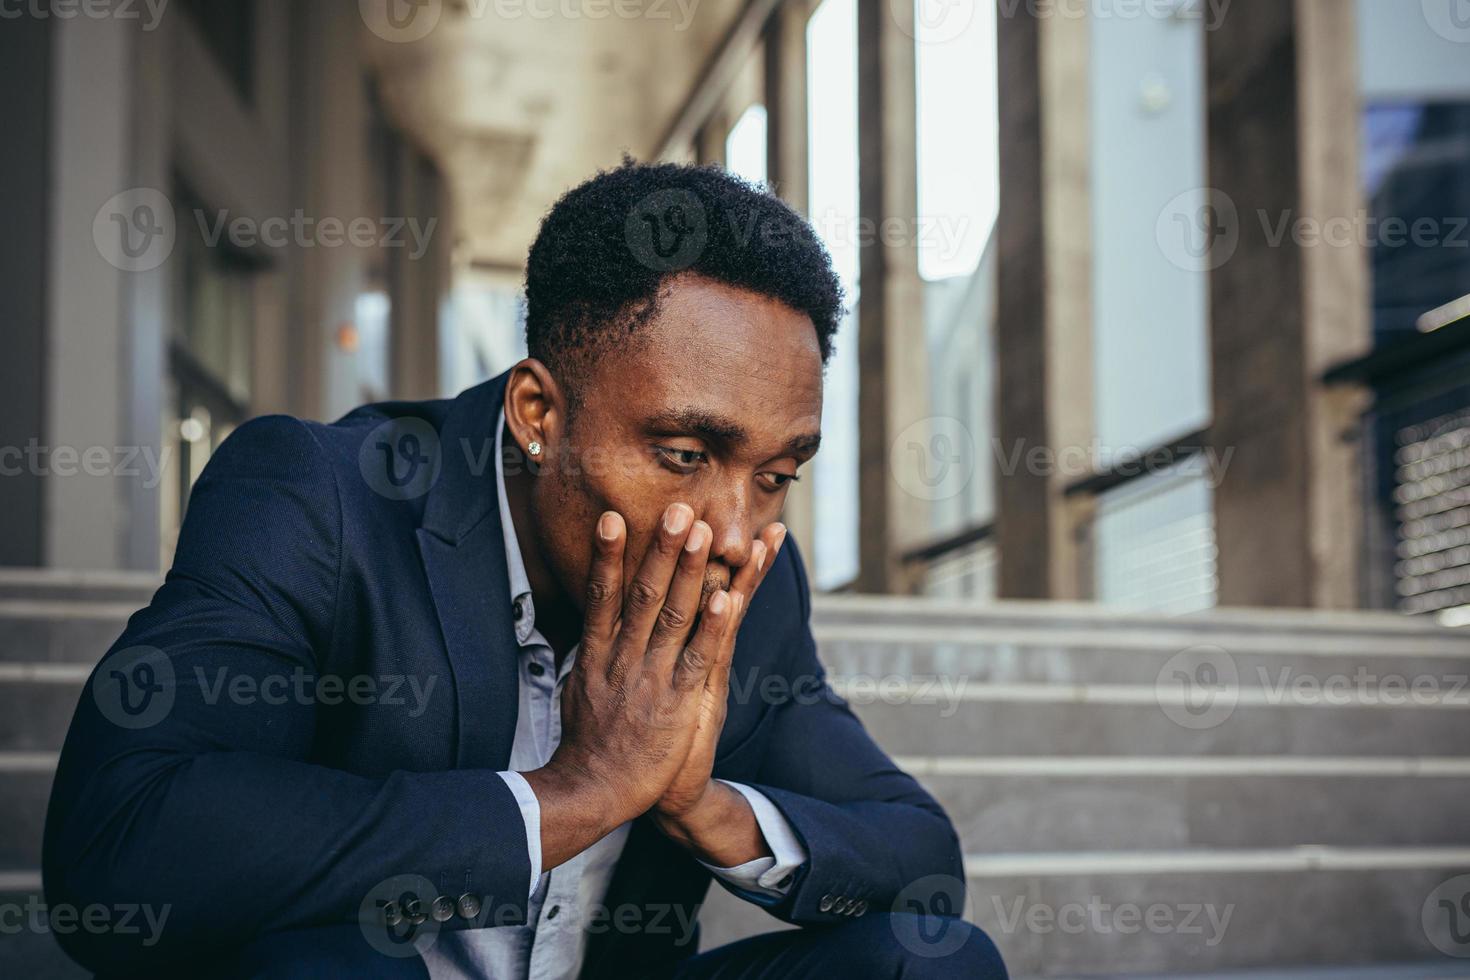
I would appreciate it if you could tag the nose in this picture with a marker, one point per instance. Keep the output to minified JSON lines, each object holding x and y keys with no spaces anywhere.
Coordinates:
{"x":728,"y":513}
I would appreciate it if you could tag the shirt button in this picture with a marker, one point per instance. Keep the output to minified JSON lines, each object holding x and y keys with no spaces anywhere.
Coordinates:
{"x":535,"y":668}
{"x":784,"y":882}
{"x":518,"y":609}
{"x":551,"y":912}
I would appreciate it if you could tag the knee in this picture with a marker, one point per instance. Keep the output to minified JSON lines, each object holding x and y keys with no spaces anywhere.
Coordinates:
{"x":921,"y":947}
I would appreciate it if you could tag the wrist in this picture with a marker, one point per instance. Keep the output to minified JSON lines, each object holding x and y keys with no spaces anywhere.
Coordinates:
{"x":689,"y":820}
{"x":564,"y":787}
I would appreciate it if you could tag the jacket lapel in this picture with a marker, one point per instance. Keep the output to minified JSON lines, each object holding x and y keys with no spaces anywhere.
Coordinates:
{"x":463,"y":551}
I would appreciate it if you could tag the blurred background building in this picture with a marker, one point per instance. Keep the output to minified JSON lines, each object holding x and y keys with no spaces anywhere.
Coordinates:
{"x":1158,"y":304}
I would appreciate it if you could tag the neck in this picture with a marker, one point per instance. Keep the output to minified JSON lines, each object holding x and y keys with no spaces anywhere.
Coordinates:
{"x":558,"y":619}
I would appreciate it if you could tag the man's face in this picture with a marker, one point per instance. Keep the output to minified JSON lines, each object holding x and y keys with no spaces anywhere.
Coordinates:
{"x":713,"y":403}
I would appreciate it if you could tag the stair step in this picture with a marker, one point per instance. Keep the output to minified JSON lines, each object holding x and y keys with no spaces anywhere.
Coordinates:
{"x":133,"y":589}
{"x":1063,"y":720}
{"x":1286,"y":908}
{"x":1088,"y":622}
{"x":1060,"y":806}
{"x":59,"y":631}
{"x":984,"y":657}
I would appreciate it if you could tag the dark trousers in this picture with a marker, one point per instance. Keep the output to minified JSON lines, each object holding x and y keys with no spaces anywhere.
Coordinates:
{"x":877,"y":946}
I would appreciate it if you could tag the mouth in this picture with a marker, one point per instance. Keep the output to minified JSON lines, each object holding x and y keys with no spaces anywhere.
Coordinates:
{"x":715,"y":579}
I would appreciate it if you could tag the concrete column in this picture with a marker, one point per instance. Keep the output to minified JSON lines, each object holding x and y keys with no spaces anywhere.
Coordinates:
{"x":785,"y":95}
{"x":417,"y":284}
{"x":331,"y":132}
{"x":892,"y":356}
{"x":90,"y":146}
{"x":25,"y":66}
{"x":1044,"y":307}
{"x":1283,"y":128}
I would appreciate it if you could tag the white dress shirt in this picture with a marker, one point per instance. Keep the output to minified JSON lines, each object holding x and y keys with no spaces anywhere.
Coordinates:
{"x":553,"y":941}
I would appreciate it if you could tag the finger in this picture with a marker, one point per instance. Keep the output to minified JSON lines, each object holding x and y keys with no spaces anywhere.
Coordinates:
{"x":719,"y":674}
{"x":762,"y":556}
{"x":604,"y":586}
{"x":681,"y":607}
{"x":645,"y":595}
{"x":703,"y":651}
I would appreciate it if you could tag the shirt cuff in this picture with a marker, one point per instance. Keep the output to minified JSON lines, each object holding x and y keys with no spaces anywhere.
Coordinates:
{"x":766,"y":876}
{"x":531,"y":814}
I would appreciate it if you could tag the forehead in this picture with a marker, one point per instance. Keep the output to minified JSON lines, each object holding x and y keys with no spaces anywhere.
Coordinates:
{"x":727,"y":350}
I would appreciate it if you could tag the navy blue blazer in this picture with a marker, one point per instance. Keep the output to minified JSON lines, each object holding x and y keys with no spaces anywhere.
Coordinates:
{"x":196,"y":775}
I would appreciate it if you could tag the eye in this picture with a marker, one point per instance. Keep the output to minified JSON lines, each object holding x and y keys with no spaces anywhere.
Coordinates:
{"x":683,"y":460}
{"x":775,"y":481}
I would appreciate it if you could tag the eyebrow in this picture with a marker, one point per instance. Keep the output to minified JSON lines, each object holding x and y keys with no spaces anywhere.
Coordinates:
{"x":719,"y":428}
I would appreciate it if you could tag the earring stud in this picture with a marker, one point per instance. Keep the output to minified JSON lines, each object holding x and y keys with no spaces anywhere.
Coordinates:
{"x":534,"y":448}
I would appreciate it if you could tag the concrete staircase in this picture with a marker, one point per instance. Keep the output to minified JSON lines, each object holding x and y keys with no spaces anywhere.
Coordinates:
{"x":54,"y":625}
{"x":1242,"y":791}
{"x":1245,"y":790}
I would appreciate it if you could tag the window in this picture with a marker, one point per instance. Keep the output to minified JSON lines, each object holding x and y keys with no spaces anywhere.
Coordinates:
{"x":958,"y":127}
{"x":832,"y":127}
{"x":745,"y":147}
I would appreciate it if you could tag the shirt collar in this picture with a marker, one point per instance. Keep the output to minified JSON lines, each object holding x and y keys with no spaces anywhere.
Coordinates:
{"x":515,"y":566}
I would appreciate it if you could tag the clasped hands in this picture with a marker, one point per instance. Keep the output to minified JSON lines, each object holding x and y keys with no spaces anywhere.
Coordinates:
{"x":644,"y":705}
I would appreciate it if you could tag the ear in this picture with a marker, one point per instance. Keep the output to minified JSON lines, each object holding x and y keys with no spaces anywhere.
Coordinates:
{"x":535,"y":407}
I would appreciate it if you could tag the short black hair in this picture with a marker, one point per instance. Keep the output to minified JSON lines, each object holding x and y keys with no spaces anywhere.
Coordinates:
{"x":608,"y":246}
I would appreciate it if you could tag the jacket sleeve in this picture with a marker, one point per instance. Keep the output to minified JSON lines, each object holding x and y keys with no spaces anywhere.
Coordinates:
{"x":874,"y":837}
{"x":171,"y":794}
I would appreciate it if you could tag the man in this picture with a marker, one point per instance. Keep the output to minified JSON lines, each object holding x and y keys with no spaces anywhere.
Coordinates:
{"x":495,"y":686}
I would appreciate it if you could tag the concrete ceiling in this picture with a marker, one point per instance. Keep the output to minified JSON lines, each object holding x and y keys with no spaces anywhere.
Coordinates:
{"x":519,"y":100}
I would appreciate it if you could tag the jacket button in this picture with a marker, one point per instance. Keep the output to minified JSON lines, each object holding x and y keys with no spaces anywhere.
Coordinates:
{"x":391,"y":915}
{"x":848,"y":905}
{"x":825,"y":905}
{"x":443,"y":909}
{"x":413,"y":911}
{"x":469,"y":906}
{"x":862,"y":906}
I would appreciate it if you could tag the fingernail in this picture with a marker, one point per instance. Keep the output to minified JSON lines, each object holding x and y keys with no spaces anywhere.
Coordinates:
{"x":760,"y":555}
{"x":605,"y":529}
{"x":718,"y":602}
{"x":697,"y":537}
{"x":780,"y":536}
{"x":677,"y":519}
